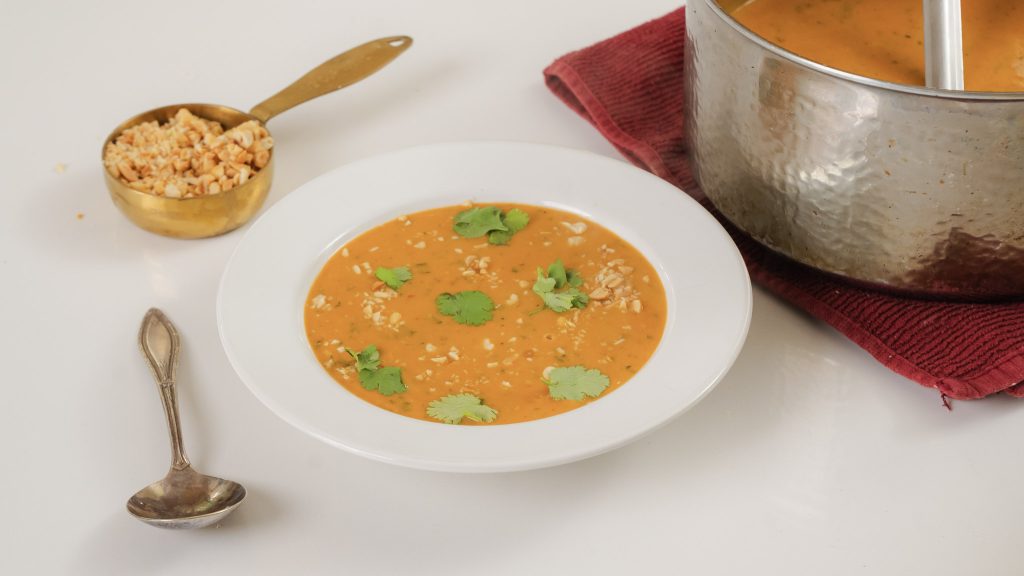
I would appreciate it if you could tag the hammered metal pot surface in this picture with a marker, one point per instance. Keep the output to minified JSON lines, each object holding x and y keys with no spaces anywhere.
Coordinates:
{"x":894,"y":186}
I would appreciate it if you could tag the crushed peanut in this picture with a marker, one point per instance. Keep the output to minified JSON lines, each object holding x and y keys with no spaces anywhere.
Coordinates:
{"x":615,"y":287}
{"x":576,"y":228}
{"x":475,"y":265}
{"x":188,"y":156}
{"x":374,"y":306}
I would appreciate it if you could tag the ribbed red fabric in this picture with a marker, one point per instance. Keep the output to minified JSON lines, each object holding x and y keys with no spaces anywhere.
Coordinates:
{"x":630,"y":88}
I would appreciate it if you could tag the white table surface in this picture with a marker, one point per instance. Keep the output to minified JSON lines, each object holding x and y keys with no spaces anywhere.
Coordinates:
{"x":809,"y":458}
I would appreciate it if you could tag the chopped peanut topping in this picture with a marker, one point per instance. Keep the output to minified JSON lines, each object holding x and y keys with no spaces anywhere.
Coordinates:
{"x":188,"y":156}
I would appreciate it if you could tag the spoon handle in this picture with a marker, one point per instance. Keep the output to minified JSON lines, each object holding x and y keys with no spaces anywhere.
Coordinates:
{"x":343,"y":70}
{"x":160,"y":345}
{"x":943,"y":45}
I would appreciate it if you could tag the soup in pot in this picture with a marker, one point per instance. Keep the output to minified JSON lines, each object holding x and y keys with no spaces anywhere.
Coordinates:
{"x":884,"y":39}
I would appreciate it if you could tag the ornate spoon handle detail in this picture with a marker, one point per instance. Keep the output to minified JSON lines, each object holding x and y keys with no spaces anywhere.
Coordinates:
{"x":160,"y":345}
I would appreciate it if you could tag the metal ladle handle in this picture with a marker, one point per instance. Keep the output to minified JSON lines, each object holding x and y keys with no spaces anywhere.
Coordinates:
{"x":343,"y":70}
{"x":160,"y":345}
{"x":943,"y":45}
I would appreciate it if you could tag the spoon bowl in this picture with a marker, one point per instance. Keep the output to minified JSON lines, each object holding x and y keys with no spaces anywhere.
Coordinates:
{"x":186,"y":499}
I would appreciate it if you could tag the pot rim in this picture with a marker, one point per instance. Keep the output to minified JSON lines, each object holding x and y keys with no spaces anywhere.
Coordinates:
{"x":961,"y":95}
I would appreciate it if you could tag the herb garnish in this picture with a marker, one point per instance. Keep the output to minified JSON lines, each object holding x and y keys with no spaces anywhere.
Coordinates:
{"x":393,"y":277}
{"x":490,"y":220}
{"x":453,"y":408}
{"x":386,"y":380}
{"x":559,"y":278}
{"x":471,"y":307}
{"x":575,"y":383}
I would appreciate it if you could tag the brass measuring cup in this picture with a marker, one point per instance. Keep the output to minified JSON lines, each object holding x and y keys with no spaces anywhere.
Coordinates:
{"x":215,"y":214}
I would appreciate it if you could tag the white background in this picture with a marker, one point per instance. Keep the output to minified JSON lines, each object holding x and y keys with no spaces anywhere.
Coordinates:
{"x":809,"y":458}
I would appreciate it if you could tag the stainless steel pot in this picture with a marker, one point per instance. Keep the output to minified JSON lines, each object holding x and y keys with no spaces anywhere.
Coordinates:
{"x":896,"y":186}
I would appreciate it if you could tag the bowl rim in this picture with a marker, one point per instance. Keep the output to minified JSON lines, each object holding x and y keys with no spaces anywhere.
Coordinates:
{"x":955,"y":95}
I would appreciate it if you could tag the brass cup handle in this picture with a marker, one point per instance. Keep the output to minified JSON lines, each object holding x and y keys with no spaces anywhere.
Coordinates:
{"x":343,"y":70}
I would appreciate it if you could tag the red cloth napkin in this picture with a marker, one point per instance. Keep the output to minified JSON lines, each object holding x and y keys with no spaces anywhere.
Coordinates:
{"x":630,"y":88}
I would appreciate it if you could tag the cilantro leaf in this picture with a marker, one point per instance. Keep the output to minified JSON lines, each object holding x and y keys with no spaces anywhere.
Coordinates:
{"x":565,"y":301}
{"x":564,"y":276}
{"x":499,"y":237}
{"x":453,"y":408}
{"x":476,"y":221}
{"x":368,"y":359}
{"x":574,"y":279}
{"x":579,"y":299}
{"x":515,"y":220}
{"x":559,"y":277}
{"x":447,"y":304}
{"x":492,"y":222}
{"x":576,"y":299}
{"x":575,"y":383}
{"x":471,"y":307}
{"x":557,"y":271}
{"x":544,"y":283}
{"x":394,"y":277}
{"x":386,"y":380}
{"x":556,"y":301}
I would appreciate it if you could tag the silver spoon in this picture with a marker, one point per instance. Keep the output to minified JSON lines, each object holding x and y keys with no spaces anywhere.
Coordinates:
{"x":184,"y":498}
{"x":943,"y":45}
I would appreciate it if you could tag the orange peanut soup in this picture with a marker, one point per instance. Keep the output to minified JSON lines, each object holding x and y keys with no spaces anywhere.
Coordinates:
{"x":466,"y":338}
{"x":884,"y":39}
